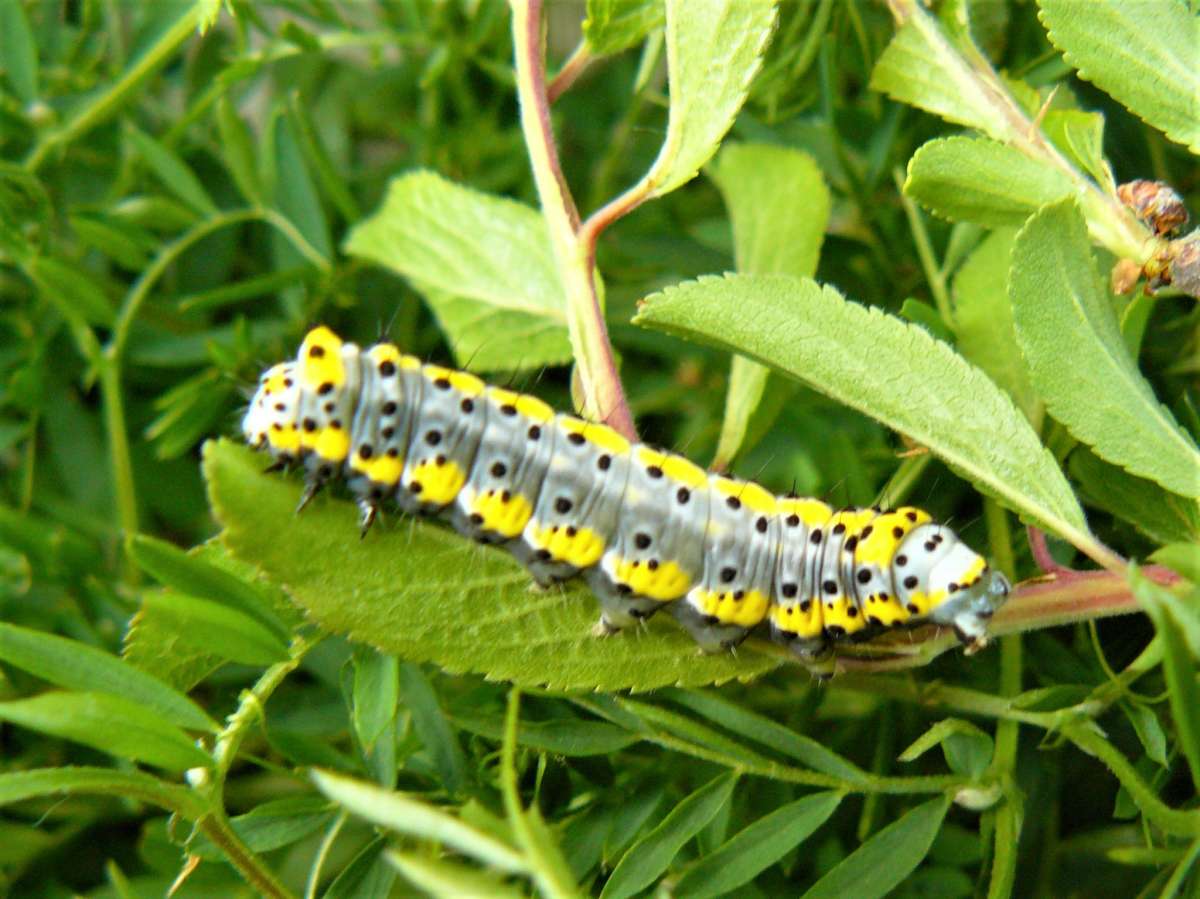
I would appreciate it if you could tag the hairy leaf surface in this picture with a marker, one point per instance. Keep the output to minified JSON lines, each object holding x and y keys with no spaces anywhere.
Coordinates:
{"x":892,"y":371}
{"x":422,"y":592}
{"x":1078,"y":361}
{"x":1145,"y":53}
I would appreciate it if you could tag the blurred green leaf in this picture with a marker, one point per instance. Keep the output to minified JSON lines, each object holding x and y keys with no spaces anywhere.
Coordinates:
{"x":561,"y":736}
{"x":615,"y":25}
{"x":75,"y":665}
{"x":1161,"y":515}
{"x":429,"y":722}
{"x":237,"y":146}
{"x":887,"y":858}
{"x":112,"y":724}
{"x":186,"y":573}
{"x":408,"y":816}
{"x":205,"y":625}
{"x":1144,"y":54}
{"x":271,"y":825}
{"x":650,"y":856}
{"x":18,"y":786}
{"x":18,"y":52}
{"x":968,"y":750}
{"x":376,"y":694}
{"x":295,"y":194}
{"x":1181,"y":557}
{"x":755,"y":848}
{"x":172,"y":171}
{"x":1078,"y":362}
{"x":449,"y":880}
{"x":1178,"y":626}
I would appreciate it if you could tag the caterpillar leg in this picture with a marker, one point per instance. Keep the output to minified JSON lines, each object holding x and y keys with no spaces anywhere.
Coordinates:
{"x":619,"y":609}
{"x":707,"y":630}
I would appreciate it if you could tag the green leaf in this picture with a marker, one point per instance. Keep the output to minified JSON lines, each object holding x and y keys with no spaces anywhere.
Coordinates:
{"x":1183,"y":558}
{"x":171,"y":171}
{"x":112,"y":724}
{"x":652,"y":854}
{"x":408,"y":816}
{"x":376,"y":694}
{"x":1145,"y":54}
{"x":763,"y":186}
{"x":705,"y":97}
{"x":1161,"y":515}
{"x":892,"y":371}
{"x":923,"y":67}
{"x":18,"y":52}
{"x":745,"y":723}
{"x":429,"y":721}
{"x":422,"y":592}
{"x":615,"y":25}
{"x":1078,"y":362}
{"x":755,"y":848}
{"x":487,"y":338}
{"x":968,"y":750}
{"x":237,"y":148}
{"x":882,"y":862}
{"x":366,"y":877}
{"x":208,"y":626}
{"x":186,"y":573}
{"x":449,"y":880}
{"x":983,"y":323}
{"x":1080,"y":135}
{"x":1149,"y":731}
{"x":979,"y":180}
{"x":1178,"y":628}
{"x":72,"y":291}
{"x":484,"y":263}
{"x":271,"y":825}
{"x":295,"y":194}
{"x":77,"y":666}
{"x":17,"y":786}
{"x":569,"y":737}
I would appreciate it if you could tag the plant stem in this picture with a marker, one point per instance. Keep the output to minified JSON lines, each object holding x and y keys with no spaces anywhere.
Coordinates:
{"x":934,"y":274}
{"x":603,"y":396}
{"x":107,"y":102}
{"x":580,"y":58}
{"x":216,"y":827}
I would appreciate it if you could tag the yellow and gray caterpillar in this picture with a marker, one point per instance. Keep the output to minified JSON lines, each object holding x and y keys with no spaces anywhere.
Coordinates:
{"x":646,"y":529}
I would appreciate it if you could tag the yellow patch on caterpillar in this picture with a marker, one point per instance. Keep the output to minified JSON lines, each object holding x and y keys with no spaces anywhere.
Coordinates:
{"x":382,"y":469}
{"x":653,"y":579}
{"x":596,"y":434}
{"x":501,"y":512}
{"x":579,"y":547}
{"x":841,"y":612}
{"x":885,"y":612}
{"x":276,"y":380}
{"x":920,"y":603}
{"x":749,"y":494}
{"x":812,"y":512}
{"x":332,"y":444}
{"x":737,"y":607}
{"x":440,"y":480}
{"x":321,"y":360}
{"x":528,"y":406}
{"x":284,"y":438}
{"x":795,"y":620}
{"x":677,"y":468}
{"x":878,"y":546}
{"x":463,"y":382}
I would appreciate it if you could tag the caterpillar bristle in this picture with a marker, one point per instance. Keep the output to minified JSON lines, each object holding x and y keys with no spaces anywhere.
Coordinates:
{"x":646,"y":529}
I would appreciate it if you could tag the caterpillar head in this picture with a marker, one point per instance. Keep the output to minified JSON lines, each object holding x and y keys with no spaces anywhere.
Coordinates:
{"x":973,"y":591}
{"x":271,"y":419}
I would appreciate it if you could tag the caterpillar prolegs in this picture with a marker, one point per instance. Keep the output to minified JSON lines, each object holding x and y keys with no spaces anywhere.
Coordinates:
{"x":646,"y":529}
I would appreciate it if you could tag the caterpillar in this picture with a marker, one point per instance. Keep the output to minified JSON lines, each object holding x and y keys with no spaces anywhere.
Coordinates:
{"x":646,"y":529}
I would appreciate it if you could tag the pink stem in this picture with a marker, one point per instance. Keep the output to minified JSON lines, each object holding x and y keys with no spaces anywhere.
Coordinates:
{"x":1041,"y":552}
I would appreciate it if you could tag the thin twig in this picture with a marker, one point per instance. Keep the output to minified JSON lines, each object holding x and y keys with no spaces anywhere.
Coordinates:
{"x":575,"y":65}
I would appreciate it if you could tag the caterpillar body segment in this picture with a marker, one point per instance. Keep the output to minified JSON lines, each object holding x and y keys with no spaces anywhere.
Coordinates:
{"x":646,"y":529}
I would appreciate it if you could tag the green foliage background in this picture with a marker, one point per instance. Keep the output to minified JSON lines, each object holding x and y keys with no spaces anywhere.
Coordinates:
{"x":185,"y":188}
